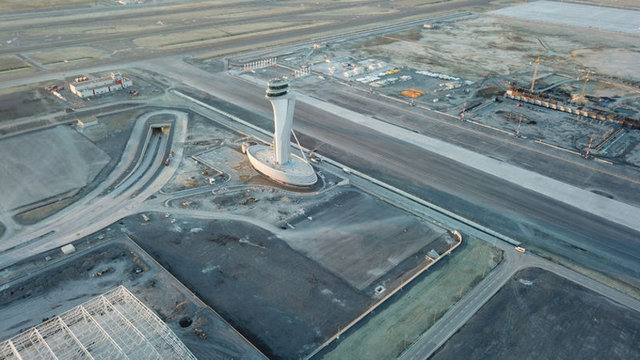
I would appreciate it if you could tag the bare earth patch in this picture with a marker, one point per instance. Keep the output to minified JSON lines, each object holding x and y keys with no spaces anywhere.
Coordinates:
{"x":12,"y":63}
{"x":539,"y":315}
{"x":67,"y":54}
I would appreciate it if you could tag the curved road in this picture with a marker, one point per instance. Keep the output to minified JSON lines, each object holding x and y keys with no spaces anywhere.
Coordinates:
{"x":94,"y":211}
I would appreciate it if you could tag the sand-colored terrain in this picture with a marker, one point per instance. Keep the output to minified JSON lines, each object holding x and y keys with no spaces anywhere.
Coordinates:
{"x":19,"y":5}
{"x":211,"y":35}
{"x":67,"y":55}
{"x":12,"y":63}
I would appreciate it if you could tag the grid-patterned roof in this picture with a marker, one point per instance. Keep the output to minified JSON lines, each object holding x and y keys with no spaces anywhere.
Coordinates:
{"x":115,"y":325}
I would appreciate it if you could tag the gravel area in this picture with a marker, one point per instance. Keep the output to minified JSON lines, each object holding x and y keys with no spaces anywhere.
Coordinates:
{"x":539,"y":315}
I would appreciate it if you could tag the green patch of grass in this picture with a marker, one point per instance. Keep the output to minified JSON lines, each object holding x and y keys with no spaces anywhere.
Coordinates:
{"x":387,"y":333}
{"x":33,"y":216}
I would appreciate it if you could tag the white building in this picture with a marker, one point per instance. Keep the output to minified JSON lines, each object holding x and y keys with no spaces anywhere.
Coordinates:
{"x":277,"y":162}
{"x":84,"y":87}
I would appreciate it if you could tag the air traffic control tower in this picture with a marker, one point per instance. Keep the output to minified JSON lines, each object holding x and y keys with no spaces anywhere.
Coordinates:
{"x":277,"y":162}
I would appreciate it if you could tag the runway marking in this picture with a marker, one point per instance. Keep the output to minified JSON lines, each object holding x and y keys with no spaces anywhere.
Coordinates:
{"x":558,"y":147}
{"x":603,"y":161}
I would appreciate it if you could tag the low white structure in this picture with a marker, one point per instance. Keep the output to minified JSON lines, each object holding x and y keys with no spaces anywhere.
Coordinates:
{"x":68,"y":249}
{"x":277,"y":162}
{"x":84,"y":87}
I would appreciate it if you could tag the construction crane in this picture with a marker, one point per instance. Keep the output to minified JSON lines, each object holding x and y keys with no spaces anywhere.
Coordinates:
{"x":535,"y":72}
{"x":579,"y":99}
{"x":584,"y":87}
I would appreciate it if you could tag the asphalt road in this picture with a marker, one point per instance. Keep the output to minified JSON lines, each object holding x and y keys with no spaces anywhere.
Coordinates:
{"x":536,"y":220}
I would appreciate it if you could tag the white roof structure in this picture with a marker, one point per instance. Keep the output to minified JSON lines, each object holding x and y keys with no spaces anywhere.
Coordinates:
{"x":115,"y":325}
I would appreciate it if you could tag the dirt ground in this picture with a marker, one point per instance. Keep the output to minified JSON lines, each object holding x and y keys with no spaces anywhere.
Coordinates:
{"x":382,"y":238}
{"x":539,"y":315}
{"x":281,"y":301}
{"x":202,"y":135}
{"x":67,"y":55}
{"x":484,"y":45}
{"x":537,"y":123}
{"x":59,"y":283}
{"x":319,"y":287}
{"x":11,"y":63}
{"x":110,"y":134}
{"x":28,"y":103}
{"x":19,"y":5}
{"x":410,"y":313}
{"x":106,"y":128}
{"x":56,"y":292}
{"x":40,"y":168}
{"x":241,"y":191}
{"x":321,"y":229}
{"x":468,"y":62}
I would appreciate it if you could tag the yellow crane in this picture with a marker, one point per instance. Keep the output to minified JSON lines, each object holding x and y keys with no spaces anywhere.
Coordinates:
{"x":535,"y":72}
{"x":579,"y":99}
{"x":584,"y":87}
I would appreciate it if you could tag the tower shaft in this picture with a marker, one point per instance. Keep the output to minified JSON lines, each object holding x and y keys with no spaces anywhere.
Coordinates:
{"x":283,"y":121}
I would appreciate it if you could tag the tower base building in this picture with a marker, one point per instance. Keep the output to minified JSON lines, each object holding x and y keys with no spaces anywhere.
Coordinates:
{"x":277,"y":162}
{"x":295,"y":172}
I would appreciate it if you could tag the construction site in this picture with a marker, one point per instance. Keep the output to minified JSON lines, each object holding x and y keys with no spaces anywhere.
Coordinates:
{"x":429,"y":172}
{"x":540,"y":79}
{"x":256,"y":219}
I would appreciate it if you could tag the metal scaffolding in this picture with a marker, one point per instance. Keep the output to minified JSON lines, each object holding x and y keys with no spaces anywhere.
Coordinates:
{"x":115,"y":325}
